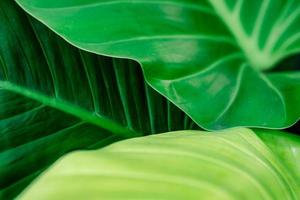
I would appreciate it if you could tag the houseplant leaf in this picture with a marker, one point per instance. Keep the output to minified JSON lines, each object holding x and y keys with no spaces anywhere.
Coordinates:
{"x":55,"y":98}
{"x":205,"y":56}
{"x":230,"y":164}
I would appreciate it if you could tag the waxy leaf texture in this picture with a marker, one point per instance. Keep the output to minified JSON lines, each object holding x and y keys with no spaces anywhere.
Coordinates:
{"x":55,"y":98}
{"x":213,"y":58}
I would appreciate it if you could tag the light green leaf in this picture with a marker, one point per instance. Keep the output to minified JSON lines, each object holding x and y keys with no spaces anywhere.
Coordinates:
{"x":208,"y":57}
{"x":230,"y":164}
{"x":55,"y":98}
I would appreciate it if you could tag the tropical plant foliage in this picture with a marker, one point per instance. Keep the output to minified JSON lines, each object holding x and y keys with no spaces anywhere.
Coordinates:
{"x":206,"y":56}
{"x":223,"y":64}
{"x":55,"y":98}
{"x":232,"y":164}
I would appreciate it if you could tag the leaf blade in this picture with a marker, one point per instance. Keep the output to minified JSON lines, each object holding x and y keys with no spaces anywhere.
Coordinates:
{"x":175,"y":39}
{"x":46,"y":86}
{"x":231,"y":164}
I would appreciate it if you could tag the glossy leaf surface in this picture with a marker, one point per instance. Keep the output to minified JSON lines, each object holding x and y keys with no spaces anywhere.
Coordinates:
{"x":205,"y":56}
{"x":55,"y":98}
{"x":231,"y":164}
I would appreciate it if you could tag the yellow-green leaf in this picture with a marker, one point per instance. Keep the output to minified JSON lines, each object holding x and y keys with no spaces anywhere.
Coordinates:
{"x":231,"y":164}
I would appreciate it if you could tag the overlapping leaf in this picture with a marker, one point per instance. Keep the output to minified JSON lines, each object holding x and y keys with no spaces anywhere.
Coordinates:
{"x":55,"y":98}
{"x":227,"y":165}
{"x":205,"y":56}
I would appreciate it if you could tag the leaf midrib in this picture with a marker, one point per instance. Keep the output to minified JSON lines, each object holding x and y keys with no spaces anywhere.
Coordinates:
{"x":66,"y":107}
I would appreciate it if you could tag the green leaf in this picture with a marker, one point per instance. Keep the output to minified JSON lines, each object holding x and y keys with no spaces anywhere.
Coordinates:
{"x":205,"y":56}
{"x":230,"y":164}
{"x":55,"y":98}
{"x":286,"y":147}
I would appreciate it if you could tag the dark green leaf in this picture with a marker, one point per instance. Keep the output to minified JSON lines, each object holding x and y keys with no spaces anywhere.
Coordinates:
{"x":55,"y":98}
